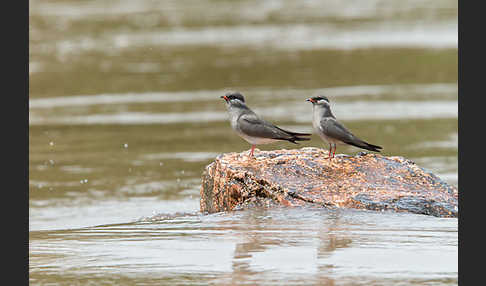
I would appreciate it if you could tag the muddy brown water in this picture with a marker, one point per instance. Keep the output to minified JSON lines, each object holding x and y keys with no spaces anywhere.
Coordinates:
{"x":124,"y":113}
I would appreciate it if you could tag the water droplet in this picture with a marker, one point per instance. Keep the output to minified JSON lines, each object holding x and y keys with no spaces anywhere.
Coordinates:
{"x":51,"y":143}
{"x":51,"y":162}
{"x":125,"y":145}
{"x":161,"y":163}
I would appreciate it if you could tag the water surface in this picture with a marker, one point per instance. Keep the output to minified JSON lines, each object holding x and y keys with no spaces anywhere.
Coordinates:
{"x":251,"y":247}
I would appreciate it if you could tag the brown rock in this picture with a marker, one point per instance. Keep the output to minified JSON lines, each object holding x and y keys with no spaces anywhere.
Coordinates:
{"x":307,"y":178}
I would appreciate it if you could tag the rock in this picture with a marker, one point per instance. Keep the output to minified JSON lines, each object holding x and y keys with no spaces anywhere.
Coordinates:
{"x":306,"y":178}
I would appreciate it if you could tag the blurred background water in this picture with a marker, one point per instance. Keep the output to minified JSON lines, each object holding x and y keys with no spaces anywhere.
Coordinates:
{"x":124,"y":114}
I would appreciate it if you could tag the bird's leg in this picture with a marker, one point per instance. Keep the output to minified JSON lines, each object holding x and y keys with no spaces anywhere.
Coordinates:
{"x":335,"y":145}
{"x":252,"y":149}
{"x":330,"y":148}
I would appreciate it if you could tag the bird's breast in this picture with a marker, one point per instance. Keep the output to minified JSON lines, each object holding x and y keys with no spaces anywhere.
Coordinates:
{"x":234,"y":123}
{"x":316,"y":121}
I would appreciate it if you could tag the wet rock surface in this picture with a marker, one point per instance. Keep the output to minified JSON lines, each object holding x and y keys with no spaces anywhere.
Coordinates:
{"x":307,"y":178}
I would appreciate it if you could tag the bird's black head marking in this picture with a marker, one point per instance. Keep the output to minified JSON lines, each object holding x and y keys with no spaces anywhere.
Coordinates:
{"x":233,"y":95}
{"x":319,"y":100}
{"x":320,"y":97}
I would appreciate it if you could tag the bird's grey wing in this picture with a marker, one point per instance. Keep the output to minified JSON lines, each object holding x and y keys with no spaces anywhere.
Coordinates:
{"x":332,"y":128}
{"x":254,"y":126}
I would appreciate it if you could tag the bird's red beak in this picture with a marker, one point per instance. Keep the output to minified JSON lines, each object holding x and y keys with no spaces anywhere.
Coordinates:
{"x":311,"y":100}
{"x":225,"y":98}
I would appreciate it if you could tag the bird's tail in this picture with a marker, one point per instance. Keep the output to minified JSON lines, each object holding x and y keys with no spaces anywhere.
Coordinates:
{"x":295,"y":136}
{"x":367,"y":146}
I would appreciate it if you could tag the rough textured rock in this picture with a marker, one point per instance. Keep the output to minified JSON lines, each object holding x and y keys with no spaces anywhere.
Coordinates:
{"x":305,"y":177}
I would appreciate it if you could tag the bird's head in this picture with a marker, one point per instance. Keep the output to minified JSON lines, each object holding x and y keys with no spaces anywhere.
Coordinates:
{"x":234,"y":98}
{"x":320,"y":101}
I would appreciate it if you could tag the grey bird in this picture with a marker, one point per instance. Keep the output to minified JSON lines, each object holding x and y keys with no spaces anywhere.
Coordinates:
{"x":331,"y":130}
{"x":254,"y":129}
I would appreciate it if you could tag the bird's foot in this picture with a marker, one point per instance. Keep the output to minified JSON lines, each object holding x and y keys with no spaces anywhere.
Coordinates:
{"x":250,"y":157}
